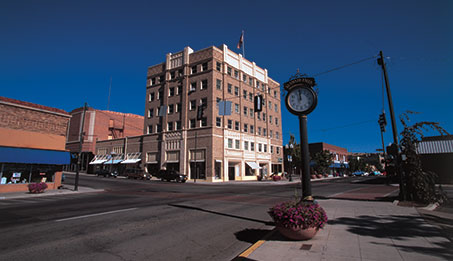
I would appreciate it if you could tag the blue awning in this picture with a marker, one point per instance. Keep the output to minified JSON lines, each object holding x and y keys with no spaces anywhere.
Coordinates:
{"x":34,"y":156}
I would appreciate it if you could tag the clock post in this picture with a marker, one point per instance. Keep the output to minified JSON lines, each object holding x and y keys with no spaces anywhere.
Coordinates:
{"x":302,"y":100}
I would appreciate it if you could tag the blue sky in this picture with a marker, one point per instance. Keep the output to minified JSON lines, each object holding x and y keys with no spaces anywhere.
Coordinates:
{"x":63,"y":53}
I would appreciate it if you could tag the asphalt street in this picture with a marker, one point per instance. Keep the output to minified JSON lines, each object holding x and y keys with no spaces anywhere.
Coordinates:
{"x":155,"y":220}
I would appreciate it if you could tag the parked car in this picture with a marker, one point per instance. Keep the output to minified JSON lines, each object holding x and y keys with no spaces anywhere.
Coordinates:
{"x":170,"y":175}
{"x":359,"y":173}
{"x":136,"y":174}
{"x":375,"y":173}
{"x":107,"y":173}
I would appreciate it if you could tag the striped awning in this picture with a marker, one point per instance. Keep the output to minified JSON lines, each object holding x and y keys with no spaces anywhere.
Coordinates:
{"x":435,"y":147}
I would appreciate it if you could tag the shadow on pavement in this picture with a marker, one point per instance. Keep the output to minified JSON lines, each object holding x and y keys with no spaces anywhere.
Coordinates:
{"x":222,"y":214}
{"x":398,"y":228}
{"x":252,"y":235}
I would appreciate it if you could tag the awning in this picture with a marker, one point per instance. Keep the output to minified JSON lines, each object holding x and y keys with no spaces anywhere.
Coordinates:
{"x":132,"y":158}
{"x":113,"y":161}
{"x":99,"y":159}
{"x":130,"y":161}
{"x":34,"y":156}
{"x":253,"y":165}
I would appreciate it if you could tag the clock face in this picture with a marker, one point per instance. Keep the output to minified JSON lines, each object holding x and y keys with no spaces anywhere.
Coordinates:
{"x":301,"y":100}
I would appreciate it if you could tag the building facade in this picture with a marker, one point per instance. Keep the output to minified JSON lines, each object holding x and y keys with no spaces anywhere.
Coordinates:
{"x":436,"y":155}
{"x":340,"y":156}
{"x":99,"y":125}
{"x":32,"y":144}
{"x":228,"y":140}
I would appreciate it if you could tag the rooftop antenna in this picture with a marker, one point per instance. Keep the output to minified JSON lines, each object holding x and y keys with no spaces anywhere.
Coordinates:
{"x":110,"y":90}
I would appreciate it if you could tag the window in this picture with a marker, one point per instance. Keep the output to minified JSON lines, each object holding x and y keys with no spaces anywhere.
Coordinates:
{"x":251,"y":112}
{"x":230,"y":124}
{"x":257,"y":84}
{"x":252,"y":146}
{"x":244,"y":94}
{"x":236,"y":108}
{"x":246,"y":127}
{"x":153,"y":81}
{"x":230,"y":88}
{"x":170,"y":126}
{"x":265,"y":148}
{"x":250,"y":81}
{"x":244,"y":78}
{"x":236,"y":125}
{"x":150,"y":113}
{"x":171,"y":92}
{"x":229,"y":71}
{"x":218,"y":66}
{"x":271,"y":134}
{"x":276,"y":121}
{"x":204,"y":67}
{"x":277,"y":136}
{"x":270,"y":119}
{"x":236,"y":90}
{"x":236,"y":74}
{"x":237,"y":144}
{"x":276,"y":108}
{"x":204,"y":102}
{"x":272,"y":149}
{"x":150,"y":129}
{"x":270,"y":105}
{"x":162,"y":78}
{"x":178,"y":107}
{"x":171,"y":108}
{"x":204,"y":122}
{"x":250,"y":96}
{"x":252,"y":129}
{"x":219,"y":84}
{"x":275,"y":94}
{"x":260,"y":147}
{"x":258,"y":115}
{"x":172,"y":75}
{"x":192,"y":123}
{"x":204,"y":84}
{"x":160,"y":94}
{"x":278,"y":150}
{"x":193,"y":105}
{"x":218,"y":122}
{"x":246,"y":112}
{"x":246,"y":145}
{"x":193,"y":86}
{"x":264,"y":116}
{"x":259,"y":131}
{"x":264,"y":132}
{"x":178,"y":90}
{"x":151,"y":96}
{"x":178,"y":125}
{"x":158,"y":111}
{"x":194,"y":69}
{"x":158,"y":128}
{"x":230,"y":143}
{"x":180,"y":72}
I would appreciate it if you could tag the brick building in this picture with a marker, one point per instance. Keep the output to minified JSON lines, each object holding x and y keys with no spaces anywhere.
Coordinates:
{"x":99,"y":125}
{"x":239,"y":146}
{"x":340,"y":156}
{"x":32,"y":144}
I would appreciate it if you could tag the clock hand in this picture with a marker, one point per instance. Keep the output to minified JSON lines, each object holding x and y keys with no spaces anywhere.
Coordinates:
{"x":300,"y":95}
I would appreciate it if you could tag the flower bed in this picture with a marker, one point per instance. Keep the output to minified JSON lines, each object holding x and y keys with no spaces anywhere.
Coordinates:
{"x":297,"y":214}
{"x":37,"y":187}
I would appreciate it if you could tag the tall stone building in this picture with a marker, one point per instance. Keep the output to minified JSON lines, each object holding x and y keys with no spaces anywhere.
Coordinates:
{"x":240,"y":144}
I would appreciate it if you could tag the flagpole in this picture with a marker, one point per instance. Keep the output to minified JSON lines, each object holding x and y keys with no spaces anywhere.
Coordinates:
{"x":243,"y":44}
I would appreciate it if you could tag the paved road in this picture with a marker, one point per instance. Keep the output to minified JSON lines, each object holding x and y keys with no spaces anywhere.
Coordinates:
{"x":143,"y":220}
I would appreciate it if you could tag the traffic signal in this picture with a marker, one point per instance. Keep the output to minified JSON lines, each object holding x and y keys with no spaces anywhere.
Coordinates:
{"x":382,"y":121}
{"x":200,"y":112}
{"x":258,"y":103}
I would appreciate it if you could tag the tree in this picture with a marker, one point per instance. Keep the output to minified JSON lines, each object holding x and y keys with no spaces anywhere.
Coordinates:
{"x":323,"y":160}
{"x":419,"y":185}
{"x":356,"y":164}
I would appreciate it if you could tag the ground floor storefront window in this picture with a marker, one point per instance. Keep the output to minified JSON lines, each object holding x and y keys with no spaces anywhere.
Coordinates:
{"x":16,"y":173}
{"x":198,"y":170}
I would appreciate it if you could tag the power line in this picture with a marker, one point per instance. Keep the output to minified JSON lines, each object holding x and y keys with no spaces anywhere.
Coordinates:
{"x":346,"y":65}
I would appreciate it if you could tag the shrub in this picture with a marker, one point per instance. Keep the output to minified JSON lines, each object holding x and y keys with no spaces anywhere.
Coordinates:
{"x":37,"y":187}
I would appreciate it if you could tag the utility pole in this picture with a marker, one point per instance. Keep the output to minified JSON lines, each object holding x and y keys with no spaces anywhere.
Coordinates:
{"x":81,"y":134}
{"x":381,"y":62}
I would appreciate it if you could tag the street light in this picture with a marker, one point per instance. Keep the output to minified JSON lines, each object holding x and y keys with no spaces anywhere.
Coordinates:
{"x":290,"y":147}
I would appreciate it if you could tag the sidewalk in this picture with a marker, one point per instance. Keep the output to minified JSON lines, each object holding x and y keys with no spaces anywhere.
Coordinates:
{"x":67,"y":189}
{"x":360,"y":230}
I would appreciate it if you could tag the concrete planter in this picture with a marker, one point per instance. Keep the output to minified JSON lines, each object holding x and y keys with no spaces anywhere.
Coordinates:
{"x":297,"y":233}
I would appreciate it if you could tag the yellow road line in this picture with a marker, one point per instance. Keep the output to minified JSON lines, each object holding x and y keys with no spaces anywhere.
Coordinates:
{"x":250,"y":250}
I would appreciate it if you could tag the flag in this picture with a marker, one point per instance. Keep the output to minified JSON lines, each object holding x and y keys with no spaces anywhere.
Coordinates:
{"x":241,"y":40}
